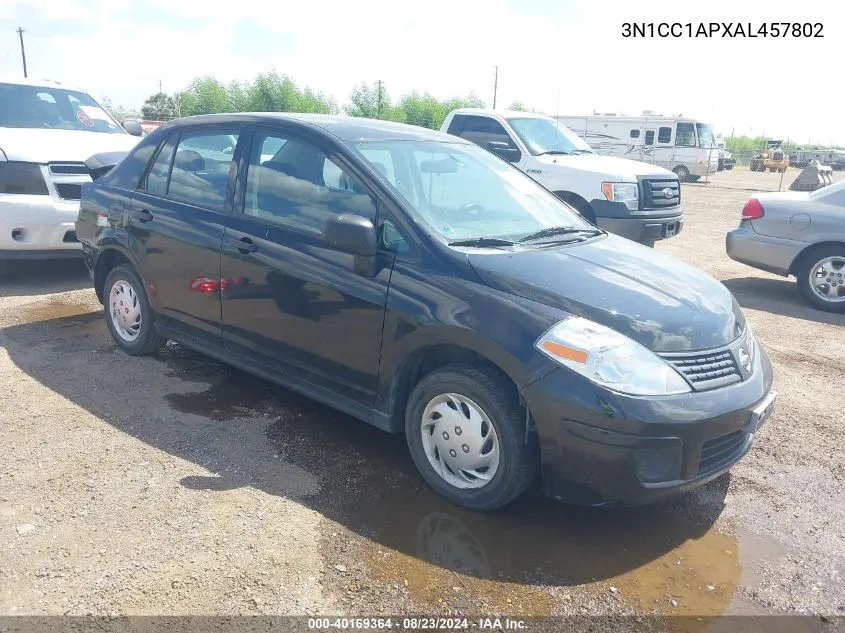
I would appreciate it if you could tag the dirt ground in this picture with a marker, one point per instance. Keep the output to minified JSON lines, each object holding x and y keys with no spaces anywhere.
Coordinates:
{"x":174,"y":484}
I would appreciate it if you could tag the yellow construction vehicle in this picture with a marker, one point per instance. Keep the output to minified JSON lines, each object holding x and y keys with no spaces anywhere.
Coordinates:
{"x":771,"y":157}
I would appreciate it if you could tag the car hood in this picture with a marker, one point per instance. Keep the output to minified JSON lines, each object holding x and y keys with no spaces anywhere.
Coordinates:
{"x":44,"y":146}
{"x":654,"y":299}
{"x":618,"y":169}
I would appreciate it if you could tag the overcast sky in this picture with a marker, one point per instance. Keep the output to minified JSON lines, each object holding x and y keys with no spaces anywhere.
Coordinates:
{"x":552,"y":55}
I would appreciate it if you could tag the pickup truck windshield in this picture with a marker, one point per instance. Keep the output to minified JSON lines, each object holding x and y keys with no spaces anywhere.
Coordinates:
{"x":464,"y":192}
{"x":542,"y":136}
{"x":52,"y":109}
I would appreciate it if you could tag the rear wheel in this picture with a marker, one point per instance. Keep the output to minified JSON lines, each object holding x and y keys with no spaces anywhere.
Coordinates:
{"x":465,"y":430}
{"x":128,"y":313}
{"x":821,"y":277}
{"x":682,"y":173}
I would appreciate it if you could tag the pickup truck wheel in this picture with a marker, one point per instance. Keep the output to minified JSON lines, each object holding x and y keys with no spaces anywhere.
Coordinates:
{"x":821,"y":277}
{"x":682,"y":173}
{"x":128,"y":314}
{"x":579,"y":204}
{"x":465,"y":430}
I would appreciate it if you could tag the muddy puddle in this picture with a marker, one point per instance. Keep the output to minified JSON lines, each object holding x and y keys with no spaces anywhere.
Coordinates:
{"x":524,"y":559}
{"x":70,"y":313}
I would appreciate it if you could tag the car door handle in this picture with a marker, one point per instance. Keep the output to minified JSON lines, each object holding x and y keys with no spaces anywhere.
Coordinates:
{"x":243,"y":245}
{"x":143,"y":215}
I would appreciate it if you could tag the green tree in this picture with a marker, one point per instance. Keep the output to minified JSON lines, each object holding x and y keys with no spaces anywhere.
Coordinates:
{"x":118,"y":112}
{"x":373,"y":102}
{"x":159,"y":107}
{"x":204,"y":95}
{"x":518,"y":106}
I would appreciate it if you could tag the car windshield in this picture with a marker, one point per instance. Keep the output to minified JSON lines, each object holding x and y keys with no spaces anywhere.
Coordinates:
{"x":542,"y":135}
{"x":52,"y":108}
{"x":705,"y":135}
{"x":464,"y":192}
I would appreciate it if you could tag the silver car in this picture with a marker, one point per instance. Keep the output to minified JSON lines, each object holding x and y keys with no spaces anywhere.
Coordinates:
{"x":797,"y":233}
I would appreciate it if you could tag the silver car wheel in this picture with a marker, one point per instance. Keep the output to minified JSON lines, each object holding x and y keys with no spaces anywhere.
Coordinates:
{"x":125,"y":311}
{"x":459,"y":441}
{"x":827,"y":279}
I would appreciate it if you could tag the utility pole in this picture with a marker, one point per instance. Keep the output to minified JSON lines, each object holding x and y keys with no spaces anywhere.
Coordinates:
{"x":495,"y":86}
{"x":159,"y":86}
{"x":23,"y":51}
{"x":378,"y":107}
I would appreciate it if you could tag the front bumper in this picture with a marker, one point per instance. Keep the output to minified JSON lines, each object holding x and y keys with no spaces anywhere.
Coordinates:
{"x":640,"y":226}
{"x":600,"y":447}
{"x":35,"y":227}
{"x":772,"y":254}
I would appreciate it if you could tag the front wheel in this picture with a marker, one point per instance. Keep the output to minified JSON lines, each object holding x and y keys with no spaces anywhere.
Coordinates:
{"x":465,"y":430}
{"x":128,"y":313}
{"x":682,"y":173}
{"x":821,"y":277}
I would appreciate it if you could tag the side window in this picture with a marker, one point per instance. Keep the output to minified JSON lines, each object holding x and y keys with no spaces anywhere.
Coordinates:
{"x":664,"y":135}
{"x":201,"y":166}
{"x":636,"y":134}
{"x":649,"y":137}
{"x":685,"y":136}
{"x":481,"y":130}
{"x":390,"y":239}
{"x":456,"y":125}
{"x":300,"y":186}
{"x":156,"y":181}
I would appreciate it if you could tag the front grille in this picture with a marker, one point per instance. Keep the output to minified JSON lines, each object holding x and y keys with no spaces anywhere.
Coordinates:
{"x":707,"y":370}
{"x":69,"y":190}
{"x":654,"y":192}
{"x":721,"y":450}
{"x":68,"y":168}
{"x":777,"y":156}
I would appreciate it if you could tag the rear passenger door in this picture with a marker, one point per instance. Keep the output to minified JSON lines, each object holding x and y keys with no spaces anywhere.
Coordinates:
{"x":290,"y":300}
{"x":176,"y":223}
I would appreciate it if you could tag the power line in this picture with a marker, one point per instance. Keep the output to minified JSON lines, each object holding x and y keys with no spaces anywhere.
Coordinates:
{"x":23,"y":51}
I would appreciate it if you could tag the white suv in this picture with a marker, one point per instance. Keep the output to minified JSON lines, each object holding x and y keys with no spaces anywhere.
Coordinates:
{"x":46,"y":132}
{"x":636,"y":200}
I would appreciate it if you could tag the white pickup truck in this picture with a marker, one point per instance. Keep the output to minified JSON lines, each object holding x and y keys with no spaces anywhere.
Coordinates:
{"x":635,"y":200}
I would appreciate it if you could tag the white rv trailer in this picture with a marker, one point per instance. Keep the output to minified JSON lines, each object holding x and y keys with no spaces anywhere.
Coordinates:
{"x":684,"y":145}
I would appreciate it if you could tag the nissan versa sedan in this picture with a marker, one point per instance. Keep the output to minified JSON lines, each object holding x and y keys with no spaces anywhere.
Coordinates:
{"x":797,"y":233}
{"x":418,"y":282}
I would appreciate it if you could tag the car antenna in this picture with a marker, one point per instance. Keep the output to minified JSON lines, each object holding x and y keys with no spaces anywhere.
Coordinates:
{"x":557,"y":119}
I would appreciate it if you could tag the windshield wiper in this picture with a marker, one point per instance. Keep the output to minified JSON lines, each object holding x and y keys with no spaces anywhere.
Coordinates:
{"x":582,"y":151}
{"x":560,"y":230}
{"x":481,"y":242}
{"x":553,"y":152}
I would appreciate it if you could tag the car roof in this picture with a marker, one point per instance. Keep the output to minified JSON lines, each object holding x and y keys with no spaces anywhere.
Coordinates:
{"x":38,"y":83}
{"x":345,"y":128}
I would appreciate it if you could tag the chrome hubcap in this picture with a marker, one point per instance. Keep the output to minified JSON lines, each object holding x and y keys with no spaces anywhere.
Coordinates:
{"x":827,"y":279}
{"x":459,"y":441}
{"x":125,"y":310}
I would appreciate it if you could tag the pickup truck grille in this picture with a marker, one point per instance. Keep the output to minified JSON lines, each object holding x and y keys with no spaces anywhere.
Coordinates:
{"x":660,"y":193}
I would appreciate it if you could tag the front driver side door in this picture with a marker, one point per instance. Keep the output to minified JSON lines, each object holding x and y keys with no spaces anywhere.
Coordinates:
{"x":288,"y":298}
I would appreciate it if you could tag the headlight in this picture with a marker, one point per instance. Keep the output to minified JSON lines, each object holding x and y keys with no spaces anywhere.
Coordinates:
{"x":22,"y":178}
{"x":625,"y":192}
{"x":610,"y":359}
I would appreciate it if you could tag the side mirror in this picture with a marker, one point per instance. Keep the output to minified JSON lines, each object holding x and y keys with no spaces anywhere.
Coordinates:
{"x":357,"y":235}
{"x":133,"y":127}
{"x":503,"y":150}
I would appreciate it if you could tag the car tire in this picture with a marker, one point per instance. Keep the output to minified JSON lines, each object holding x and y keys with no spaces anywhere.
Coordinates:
{"x":682,"y":173}
{"x":471,"y":398}
{"x":813,"y":260}
{"x":132,"y":328}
